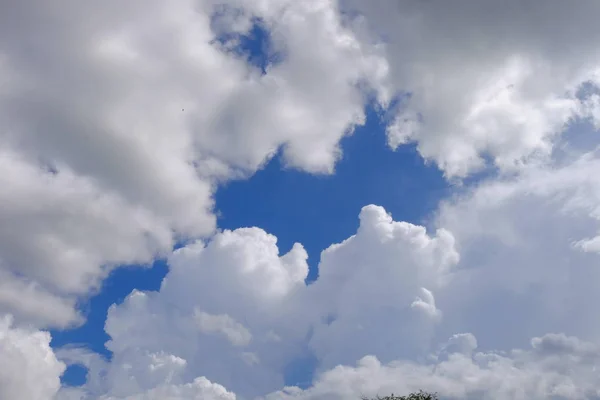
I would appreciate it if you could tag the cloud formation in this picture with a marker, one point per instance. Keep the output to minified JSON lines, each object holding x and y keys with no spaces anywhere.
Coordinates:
{"x":261,"y":316}
{"x":119,"y":120}
{"x":493,"y":81}
{"x":556,"y":367}
{"x":370,"y":304}
{"x":29,"y":368}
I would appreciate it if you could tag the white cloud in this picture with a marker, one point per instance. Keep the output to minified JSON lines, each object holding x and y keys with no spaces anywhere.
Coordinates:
{"x":556,"y":367}
{"x":118,"y":124}
{"x":223,"y":324}
{"x":29,"y":369}
{"x":519,"y":266}
{"x":367,"y":286}
{"x":245,"y":290}
{"x":200,"y":388}
{"x":426,"y":303}
{"x":392,"y":292}
{"x":486,"y":79}
{"x":519,"y":276}
{"x":32,"y":302}
{"x":367,"y":289}
{"x":118,"y":121}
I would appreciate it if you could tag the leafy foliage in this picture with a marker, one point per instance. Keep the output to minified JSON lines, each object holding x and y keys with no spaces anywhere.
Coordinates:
{"x":413,"y":396}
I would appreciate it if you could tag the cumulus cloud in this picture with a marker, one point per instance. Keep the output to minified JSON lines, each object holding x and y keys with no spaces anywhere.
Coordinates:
{"x":35,"y":303}
{"x":555,"y":366}
{"x":218,"y":309}
{"x":223,"y":324}
{"x":260,"y":315}
{"x":520,"y":241}
{"x":485,"y":80}
{"x":372,"y":285}
{"x":29,"y":369}
{"x":522,"y":273}
{"x":118,"y":121}
{"x":200,"y":388}
{"x":391,"y":293}
{"x":388,"y":295}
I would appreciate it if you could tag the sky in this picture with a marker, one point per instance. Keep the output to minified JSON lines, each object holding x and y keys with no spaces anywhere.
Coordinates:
{"x":283,"y":200}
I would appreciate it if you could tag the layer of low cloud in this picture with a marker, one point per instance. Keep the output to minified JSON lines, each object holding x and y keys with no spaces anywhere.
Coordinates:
{"x":555,"y":367}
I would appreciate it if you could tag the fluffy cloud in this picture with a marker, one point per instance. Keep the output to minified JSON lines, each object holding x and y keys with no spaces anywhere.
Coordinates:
{"x":200,"y":388}
{"x":117,"y":122}
{"x":495,"y":80}
{"x":223,"y":324}
{"x":390,"y":293}
{"x":556,"y":367}
{"x":523,"y":245}
{"x":147,"y":377}
{"x":379,"y":283}
{"x":236,"y":300}
{"x":524,"y":271}
{"x":29,"y":368}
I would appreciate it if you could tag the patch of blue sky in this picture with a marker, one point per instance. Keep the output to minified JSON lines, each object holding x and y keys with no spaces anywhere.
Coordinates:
{"x":318,"y":210}
{"x":255,"y":45}
{"x":120,"y":283}
{"x":74,"y":375}
{"x":581,"y":135}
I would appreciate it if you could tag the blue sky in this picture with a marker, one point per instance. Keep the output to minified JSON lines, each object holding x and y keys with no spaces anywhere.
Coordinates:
{"x":312,"y":200}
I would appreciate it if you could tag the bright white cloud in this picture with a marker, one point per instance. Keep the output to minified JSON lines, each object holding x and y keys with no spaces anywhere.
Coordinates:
{"x":218,"y":309}
{"x":486,"y":79}
{"x":379,"y":283}
{"x":200,"y":388}
{"x":223,"y":324}
{"x":117,"y":125}
{"x":391,"y":293}
{"x":29,"y":369}
{"x":261,"y":316}
{"x":556,"y":367}
{"x":521,"y":242}
{"x":117,"y":121}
